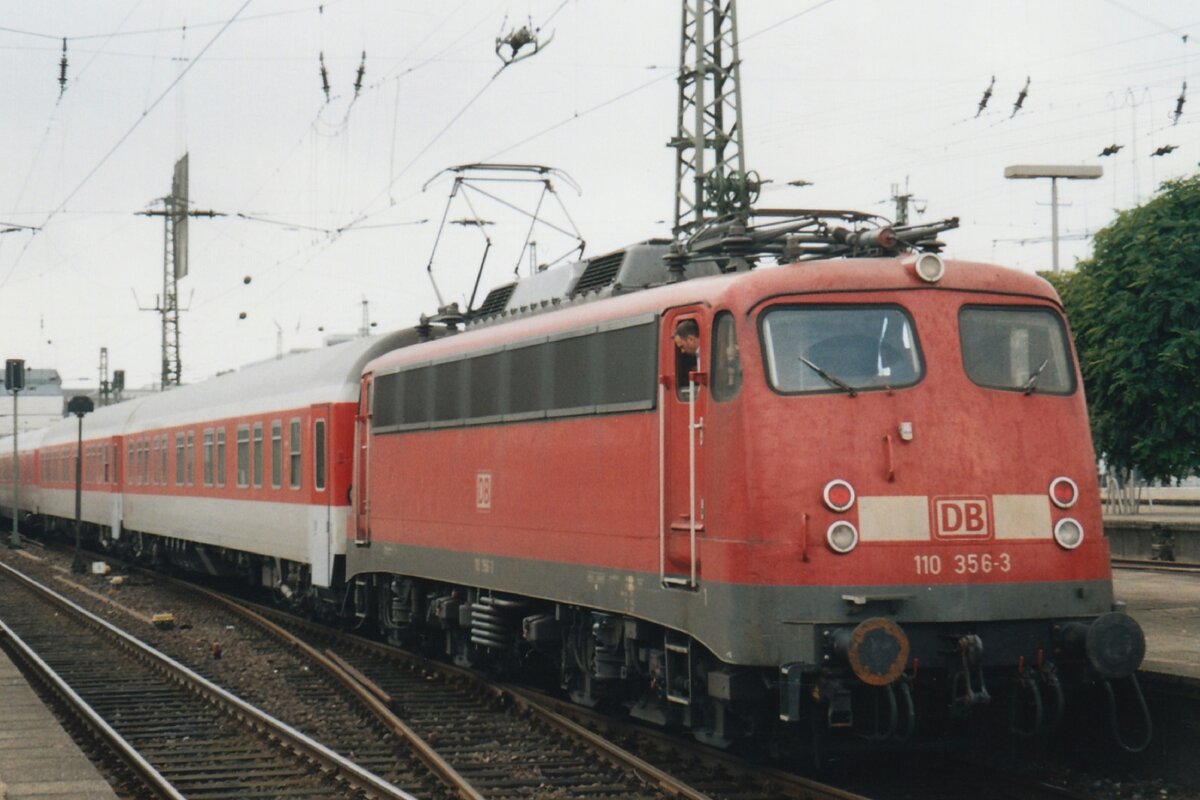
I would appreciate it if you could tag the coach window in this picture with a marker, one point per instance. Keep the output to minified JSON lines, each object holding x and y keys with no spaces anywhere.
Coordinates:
{"x":220,"y":456}
{"x":243,"y":455}
{"x":180,"y":458}
{"x":162,"y":452}
{"x":191,"y":458}
{"x":294,"y":445}
{"x":258,"y":455}
{"x":319,"y":455}
{"x":145,"y":458}
{"x":208,"y":456}
{"x":726,"y":359}
{"x":276,"y":454}
{"x":130,"y":464}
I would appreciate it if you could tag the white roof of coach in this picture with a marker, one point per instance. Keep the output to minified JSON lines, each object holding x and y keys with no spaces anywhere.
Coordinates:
{"x":328,"y":375}
{"x":100,"y":424}
{"x":26,"y":440}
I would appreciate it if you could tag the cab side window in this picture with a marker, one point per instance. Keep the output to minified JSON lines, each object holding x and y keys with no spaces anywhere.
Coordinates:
{"x":686,"y":342}
{"x":726,"y":359}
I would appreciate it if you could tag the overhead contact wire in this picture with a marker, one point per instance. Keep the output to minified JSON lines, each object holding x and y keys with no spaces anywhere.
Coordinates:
{"x":104,"y":159}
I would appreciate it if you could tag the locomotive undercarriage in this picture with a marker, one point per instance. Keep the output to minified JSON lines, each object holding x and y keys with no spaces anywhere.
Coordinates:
{"x":664,"y":677}
{"x":598,"y":659}
{"x":863,"y":691}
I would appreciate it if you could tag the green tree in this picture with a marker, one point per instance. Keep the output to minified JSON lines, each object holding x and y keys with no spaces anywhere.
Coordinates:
{"x":1134,"y":308}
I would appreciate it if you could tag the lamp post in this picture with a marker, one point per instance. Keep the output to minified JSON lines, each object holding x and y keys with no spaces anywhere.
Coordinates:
{"x":1053,"y":172}
{"x":79,"y":406}
{"x":14,"y":381}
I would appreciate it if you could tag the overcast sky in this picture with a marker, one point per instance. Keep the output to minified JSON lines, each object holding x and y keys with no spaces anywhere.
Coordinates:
{"x":852,"y":95}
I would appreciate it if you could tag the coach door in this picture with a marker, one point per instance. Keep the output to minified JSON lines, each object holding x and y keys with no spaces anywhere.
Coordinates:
{"x":682,"y":401}
{"x":320,"y":511}
{"x":361,"y":482}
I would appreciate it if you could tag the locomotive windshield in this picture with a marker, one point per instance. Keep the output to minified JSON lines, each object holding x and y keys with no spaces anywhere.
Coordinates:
{"x":1018,"y":349}
{"x":840,"y":349}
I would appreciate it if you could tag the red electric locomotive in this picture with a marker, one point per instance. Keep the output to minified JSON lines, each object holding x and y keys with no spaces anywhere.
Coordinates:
{"x":873,"y":487}
{"x":859,"y":493}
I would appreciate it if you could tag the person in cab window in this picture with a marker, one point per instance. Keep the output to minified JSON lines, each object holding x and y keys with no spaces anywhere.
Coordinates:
{"x":687,"y":349}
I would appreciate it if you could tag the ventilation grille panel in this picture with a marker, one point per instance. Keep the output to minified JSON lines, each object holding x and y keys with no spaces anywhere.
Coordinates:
{"x":600,"y":272}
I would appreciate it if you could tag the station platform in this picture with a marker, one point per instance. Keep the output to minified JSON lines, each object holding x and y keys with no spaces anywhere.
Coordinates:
{"x":1159,"y":532}
{"x":1167,"y":606}
{"x":38,"y":759}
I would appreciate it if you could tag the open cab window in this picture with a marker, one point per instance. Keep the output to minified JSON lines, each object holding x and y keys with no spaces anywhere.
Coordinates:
{"x":811,"y":349}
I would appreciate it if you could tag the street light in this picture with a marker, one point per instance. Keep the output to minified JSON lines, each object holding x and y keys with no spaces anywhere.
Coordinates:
{"x":1053,"y":172}
{"x":79,"y":406}
{"x":14,"y":381}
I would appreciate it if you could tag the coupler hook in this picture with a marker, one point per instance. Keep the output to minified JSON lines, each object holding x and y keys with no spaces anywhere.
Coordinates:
{"x":970,"y":650}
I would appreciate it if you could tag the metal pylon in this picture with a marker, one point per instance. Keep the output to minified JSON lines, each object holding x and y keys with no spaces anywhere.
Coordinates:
{"x":710,"y":171}
{"x":172,"y":368}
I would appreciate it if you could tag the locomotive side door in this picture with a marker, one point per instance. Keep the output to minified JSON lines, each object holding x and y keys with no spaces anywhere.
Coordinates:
{"x":361,"y":482}
{"x":682,"y":401}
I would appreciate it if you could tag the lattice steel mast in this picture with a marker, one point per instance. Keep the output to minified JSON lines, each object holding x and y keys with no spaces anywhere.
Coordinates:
{"x":175,"y":215}
{"x":711,"y":180}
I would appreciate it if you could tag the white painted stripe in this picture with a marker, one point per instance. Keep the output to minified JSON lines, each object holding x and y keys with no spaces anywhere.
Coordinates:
{"x":893,"y":519}
{"x":1022,"y":516}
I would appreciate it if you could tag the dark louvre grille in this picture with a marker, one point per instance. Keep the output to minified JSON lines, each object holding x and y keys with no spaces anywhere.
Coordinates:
{"x":496,"y":300}
{"x":600,"y":272}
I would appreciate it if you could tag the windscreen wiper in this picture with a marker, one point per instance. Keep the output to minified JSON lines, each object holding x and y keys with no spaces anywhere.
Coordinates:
{"x":1031,"y":383}
{"x":835,"y":381}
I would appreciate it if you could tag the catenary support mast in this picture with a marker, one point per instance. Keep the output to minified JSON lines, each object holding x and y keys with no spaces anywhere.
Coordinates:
{"x":710,"y":170}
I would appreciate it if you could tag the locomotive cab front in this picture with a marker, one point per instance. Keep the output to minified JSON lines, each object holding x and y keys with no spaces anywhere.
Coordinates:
{"x":920,"y":495}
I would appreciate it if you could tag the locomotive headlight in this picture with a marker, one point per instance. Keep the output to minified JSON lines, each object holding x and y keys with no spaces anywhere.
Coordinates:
{"x":929,"y":267}
{"x":1063,"y":492}
{"x":838,"y":495}
{"x":1068,"y":533}
{"x":842,"y":537}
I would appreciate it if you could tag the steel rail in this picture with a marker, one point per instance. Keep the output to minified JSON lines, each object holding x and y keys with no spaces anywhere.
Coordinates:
{"x":558,"y":714}
{"x":356,"y":684}
{"x":789,"y":784}
{"x":17,"y":647}
{"x":1155,"y":566}
{"x":233,"y":705}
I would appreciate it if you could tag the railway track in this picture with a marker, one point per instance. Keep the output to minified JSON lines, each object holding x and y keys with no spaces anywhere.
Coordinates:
{"x":1155,"y":566}
{"x":506,"y":742}
{"x":423,"y":689}
{"x":483,"y":741}
{"x":186,"y":736}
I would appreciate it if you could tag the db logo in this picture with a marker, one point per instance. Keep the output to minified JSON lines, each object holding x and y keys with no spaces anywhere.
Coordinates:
{"x":483,"y":491}
{"x":961,"y":517}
